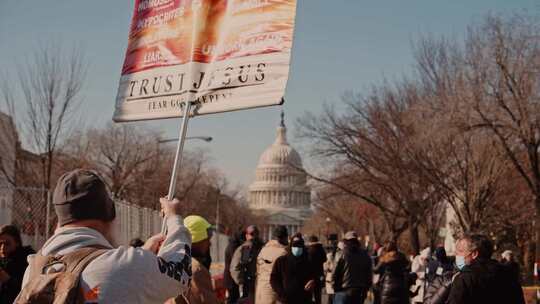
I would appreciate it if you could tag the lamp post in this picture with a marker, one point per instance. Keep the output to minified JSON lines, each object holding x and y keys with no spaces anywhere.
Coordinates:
{"x":203,"y":138}
{"x":218,"y":255}
{"x":168,"y":140}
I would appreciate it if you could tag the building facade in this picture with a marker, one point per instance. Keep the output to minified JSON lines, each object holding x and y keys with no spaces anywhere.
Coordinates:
{"x":280,"y":193}
{"x":8,"y":144}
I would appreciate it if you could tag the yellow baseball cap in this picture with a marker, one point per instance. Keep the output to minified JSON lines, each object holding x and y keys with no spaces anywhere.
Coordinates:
{"x":198,"y":227}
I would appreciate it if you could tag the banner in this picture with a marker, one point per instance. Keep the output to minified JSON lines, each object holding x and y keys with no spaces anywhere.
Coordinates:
{"x":223,"y":55}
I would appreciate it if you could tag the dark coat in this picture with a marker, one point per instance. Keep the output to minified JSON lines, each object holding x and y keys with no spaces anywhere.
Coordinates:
{"x":317,"y":257}
{"x":15,"y":267}
{"x":394,"y":282}
{"x":513,"y":269}
{"x":438,"y":290}
{"x":353,"y":270}
{"x":485,"y":281}
{"x":289,"y":276}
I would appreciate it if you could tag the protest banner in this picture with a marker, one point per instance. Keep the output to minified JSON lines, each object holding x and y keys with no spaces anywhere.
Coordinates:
{"x":220,"y":55}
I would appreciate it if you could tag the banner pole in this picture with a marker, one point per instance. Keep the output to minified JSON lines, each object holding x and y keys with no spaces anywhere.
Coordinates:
{"x":178,"y":157}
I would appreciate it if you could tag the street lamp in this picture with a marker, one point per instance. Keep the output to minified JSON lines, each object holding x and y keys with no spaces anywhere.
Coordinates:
{"x":204,"y":138}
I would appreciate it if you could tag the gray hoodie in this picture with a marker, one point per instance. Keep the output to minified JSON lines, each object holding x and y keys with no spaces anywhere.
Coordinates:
{"x":126,"y":274}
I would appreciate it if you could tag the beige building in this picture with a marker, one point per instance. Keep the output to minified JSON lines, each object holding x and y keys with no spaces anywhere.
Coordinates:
{"x":8,"y":147}
{"x":280,"y":193}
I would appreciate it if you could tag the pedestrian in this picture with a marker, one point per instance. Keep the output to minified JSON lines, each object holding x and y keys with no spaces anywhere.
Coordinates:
{"x":378,"y":252}
{"x":13,"y":262}
{"x":136,"y":242}
{"x":86,"y":238}
{"x":439,"y":264}
{"x":293,"y":277}
{"x":509,"y":262}
{"x":275,"y":248}
{"x":244,"y":264}
{"x":353,"y":274}
{"x":331,"y":257}
{"x":482,"y":279}
{"x":233,"y":294}
{"x":440,"y":273}
{"x":201,"y":290}
{"x":317,"y":258}
{"x":393,"y":285}
{"x":419,"y":266}
{"x":438,"y":290}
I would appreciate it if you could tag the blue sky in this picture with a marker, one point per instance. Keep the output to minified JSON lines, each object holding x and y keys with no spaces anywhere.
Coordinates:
{"x":339,"y":45}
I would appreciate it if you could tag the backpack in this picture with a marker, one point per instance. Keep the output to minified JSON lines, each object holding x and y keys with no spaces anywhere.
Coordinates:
{"x":49,"y":285}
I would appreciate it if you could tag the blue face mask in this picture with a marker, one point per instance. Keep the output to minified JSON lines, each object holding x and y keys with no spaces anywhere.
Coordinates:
{"x":460,"y":262}
{"x":297,"y":251}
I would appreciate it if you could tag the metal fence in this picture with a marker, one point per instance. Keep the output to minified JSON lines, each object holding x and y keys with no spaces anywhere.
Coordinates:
{"x":30,"y":209}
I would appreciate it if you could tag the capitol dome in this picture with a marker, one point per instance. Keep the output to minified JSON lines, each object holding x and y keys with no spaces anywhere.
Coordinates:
{"x":280,"y":153}
{"x":280,"y":192}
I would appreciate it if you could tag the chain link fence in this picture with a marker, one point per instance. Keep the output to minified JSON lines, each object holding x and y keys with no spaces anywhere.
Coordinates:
{"x":31,"y":210}
{"x":26,"y":208}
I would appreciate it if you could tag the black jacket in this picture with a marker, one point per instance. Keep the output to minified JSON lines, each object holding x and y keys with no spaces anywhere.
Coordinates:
{"x":15,"y":266}
{"x":485,"y":281}
{"x":513,"y":268}
{"x":438,"y":290}
{"x":289,"y":276}
{"x":317,"y":257}
{"x":353,"y":270}
{"x":394,"y":282}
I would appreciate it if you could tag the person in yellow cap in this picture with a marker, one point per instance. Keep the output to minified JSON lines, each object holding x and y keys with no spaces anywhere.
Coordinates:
{"x":201,"y":290}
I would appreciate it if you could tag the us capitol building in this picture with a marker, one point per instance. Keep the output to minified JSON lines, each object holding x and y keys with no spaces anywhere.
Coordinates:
{"x":280,"y":193}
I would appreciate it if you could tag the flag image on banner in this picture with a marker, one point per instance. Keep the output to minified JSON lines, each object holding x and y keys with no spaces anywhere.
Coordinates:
{"x":222,"y":55}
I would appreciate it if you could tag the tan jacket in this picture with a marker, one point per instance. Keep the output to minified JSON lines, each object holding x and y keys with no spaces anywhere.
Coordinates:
{"x":201,"y":290}
{"x":265,"y":261}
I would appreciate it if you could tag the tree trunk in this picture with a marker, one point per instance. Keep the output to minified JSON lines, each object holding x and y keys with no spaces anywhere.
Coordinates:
{"x":528,"y":261}
{"x":537,"y":233}
{"x":414,"y":235}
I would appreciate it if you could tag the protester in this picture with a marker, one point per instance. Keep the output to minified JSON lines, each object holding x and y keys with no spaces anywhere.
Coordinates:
{"x":265,"y":261}
{"x":87,"y":219}
{"x":378,"y":252}
{"x":439,"y":275}
{"x":201,"y":290}
{"x":438,"y":290}
{"x":12,"y":262}
{"x":353,"y":273}
{"x":233,"y":294}
{"x":331,"y":257}
{"x":244,"y":264}
{"x":293,"y":277}
{"x":439,"y":264}
{"x":137,"y":242}
{"x":419,"y":266}
{"x":393,"y":285}
{"x":508,"y":261}
{"x":482,"y":279}
{"x":317,"y":258}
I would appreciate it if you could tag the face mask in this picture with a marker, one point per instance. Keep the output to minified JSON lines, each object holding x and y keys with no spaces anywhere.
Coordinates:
{"x":297,"y":251}
{"x":460,"y":262}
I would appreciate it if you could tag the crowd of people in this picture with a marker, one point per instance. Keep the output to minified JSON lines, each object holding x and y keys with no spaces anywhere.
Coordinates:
{"x":82,"y":263}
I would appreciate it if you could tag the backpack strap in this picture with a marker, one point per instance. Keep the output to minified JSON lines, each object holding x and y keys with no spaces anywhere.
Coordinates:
{"x":77,"y":260}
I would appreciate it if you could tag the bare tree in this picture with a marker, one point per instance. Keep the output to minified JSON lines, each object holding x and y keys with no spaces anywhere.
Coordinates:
{"x":49,"y":87}
{"x":376,"y":147}
{"x":493,"y":76}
